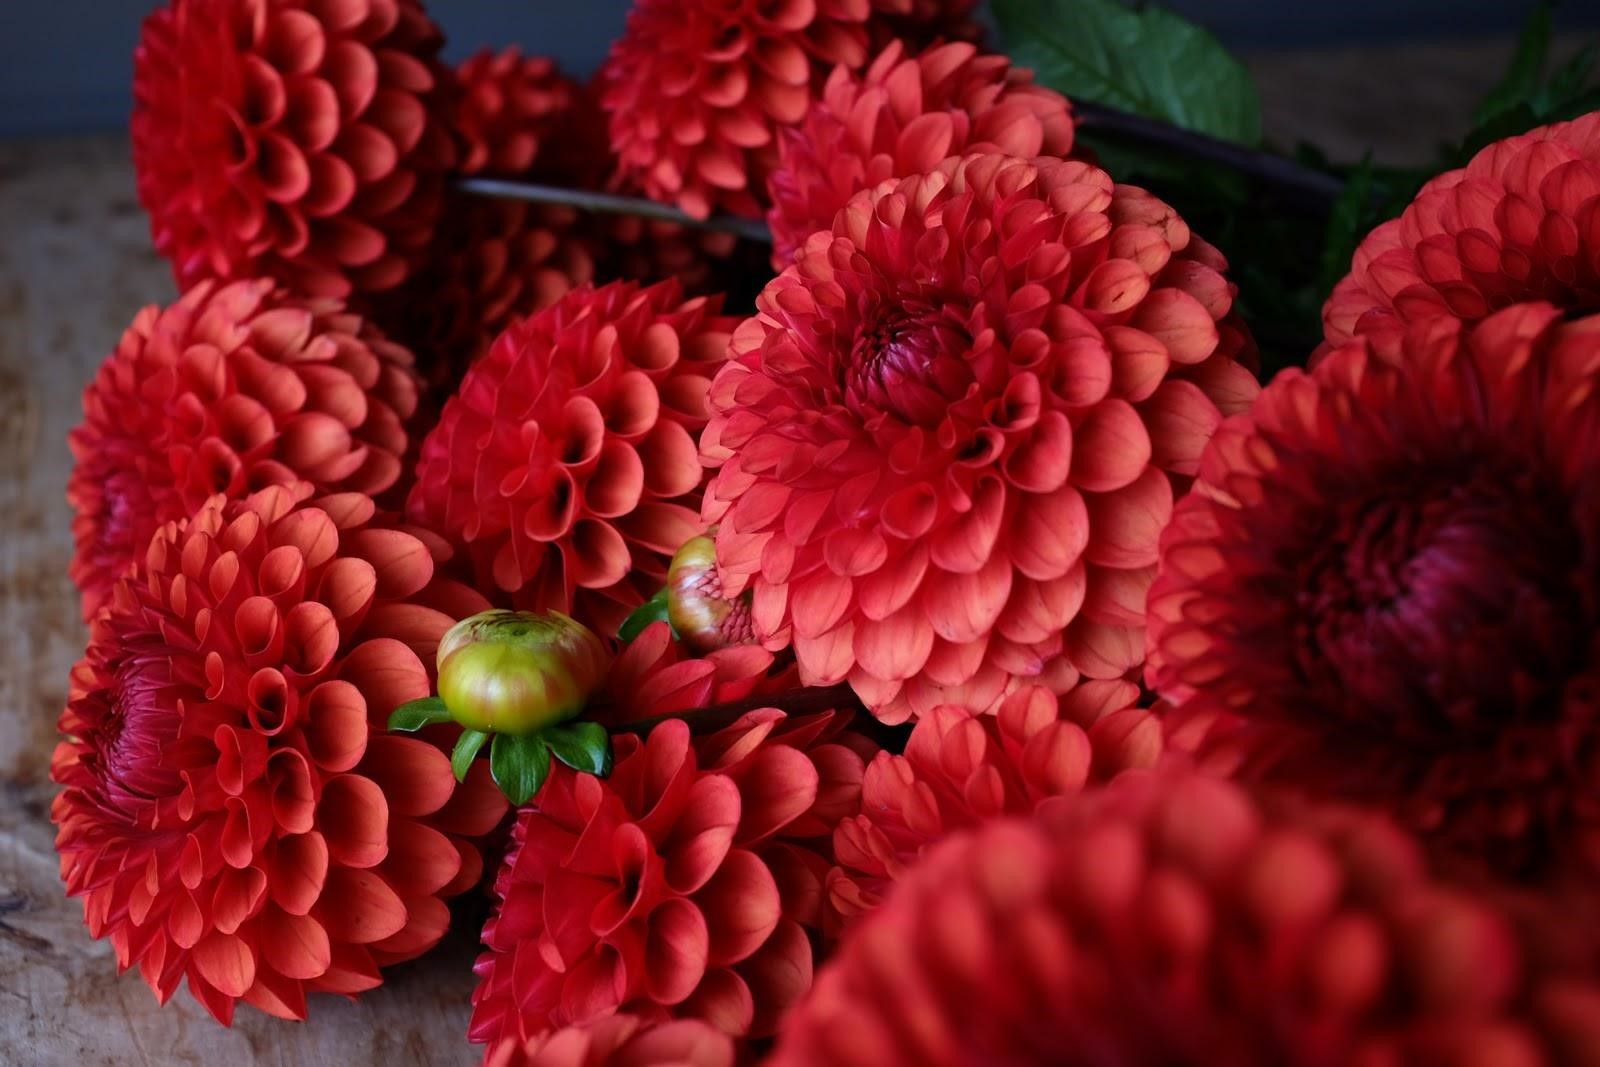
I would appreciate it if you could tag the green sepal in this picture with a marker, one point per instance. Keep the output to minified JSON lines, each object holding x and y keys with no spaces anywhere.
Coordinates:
{"x":466,"y":751}
{"x":652,"y":610}
{"x":415,"y":714}
{"x":583,"y":746}
{"x":519,"y":765}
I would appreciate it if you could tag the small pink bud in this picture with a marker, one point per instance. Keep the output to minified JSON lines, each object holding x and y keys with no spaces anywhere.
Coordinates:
{"x":704,"y":619}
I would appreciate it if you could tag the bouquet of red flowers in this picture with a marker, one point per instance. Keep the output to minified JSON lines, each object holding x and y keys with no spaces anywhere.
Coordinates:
{"x":806,"y":526}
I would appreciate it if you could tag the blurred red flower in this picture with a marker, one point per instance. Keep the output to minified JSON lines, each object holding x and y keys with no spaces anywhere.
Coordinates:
{"x":1520,"y":222}
{"x":618,"y":1041}
{"x":233,"y":812}
{"x":903,"y":115}
{"x":565,"y":466}
{"x":1172,"y":919}
{"x":696,"y":93}
{"x":952,"y":434}
{"x":233,"y":388}
{"x":687,"y":884}
{"x":1384,"y":585}
{"x":306,"y":142}
{"x":961,"y":770}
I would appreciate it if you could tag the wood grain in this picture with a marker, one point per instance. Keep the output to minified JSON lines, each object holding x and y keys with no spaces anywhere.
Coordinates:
{"x":75,"y":264}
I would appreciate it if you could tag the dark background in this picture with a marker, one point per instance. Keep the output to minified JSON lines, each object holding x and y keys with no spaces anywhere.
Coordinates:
{"x":65,"y":65}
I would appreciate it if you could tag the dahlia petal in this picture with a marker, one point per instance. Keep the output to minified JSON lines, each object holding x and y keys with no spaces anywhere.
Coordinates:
{"x":892,"y":586}
{"x":1050,"y":534}
{"x":1112,"y":447}
{"x":723,"y":1000}
{"x":361,"y":905}
{"x":702,"y":840}
{"x":896,"y":646}
{"x":779,"y":974}
{"x":296,"y":946}
{"x":1104,"y":651}
{"x":353,"y":816}
{"x":414,"y":775}
{"x":741,"y":906}
{"x":225,"y":961}
{"x":826,"y":658}
{"x":964,"y":607}
{"x":778,"y":785}
{"x":965,"y":544}
{"x":854,"y":552}
{"x":387,"y":673}
{"x":336,"y":725}
{"x":676,"y":951}
{"x":1127,"y":523}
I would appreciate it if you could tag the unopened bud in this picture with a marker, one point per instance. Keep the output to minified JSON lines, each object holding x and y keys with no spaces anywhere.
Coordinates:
{"x":703,"y":618}
{"x":514,"y":672}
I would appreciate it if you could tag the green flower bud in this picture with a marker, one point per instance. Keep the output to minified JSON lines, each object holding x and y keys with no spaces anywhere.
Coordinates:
{"x":514,"y":672}
{"x":703,"y":618}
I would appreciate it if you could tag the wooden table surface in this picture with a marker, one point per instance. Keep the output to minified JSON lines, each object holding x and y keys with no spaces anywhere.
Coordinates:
{"x":75,"y":264}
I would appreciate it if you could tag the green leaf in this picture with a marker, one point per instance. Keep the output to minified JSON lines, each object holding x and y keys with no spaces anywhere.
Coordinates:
{"x":1151,"y":62}
{"x":519,"y":765}
{"x":1348,"y":223}
{"x":583,"y":746}
{"x":466,"y":751}
{"x":652,"y":610}
{"x":1521,"y":79}
{"x":415,"y":714}
{"x":1567,"y":83}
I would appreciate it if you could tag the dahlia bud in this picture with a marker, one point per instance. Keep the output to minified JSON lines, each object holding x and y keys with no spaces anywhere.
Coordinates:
{"x":514,"y":672}
{"x":702,"y":617}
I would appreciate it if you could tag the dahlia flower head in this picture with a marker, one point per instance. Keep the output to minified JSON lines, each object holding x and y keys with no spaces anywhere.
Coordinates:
{"x":1384,"y":586}
{"x":1520,"y":222}
{"x":565,"y":467}
{"x":961,"y":770}
{"x":952,"y":433}
{"x":233,"y":812}
{"x":696,"y":93}
{"x":656,"y":674}
{"x":903,"y":115}
{"x":304,"y":141}
{"x":1173,"y":919}
{"x":618,"y":1041}
{"x":232,"y":388}
{"x":688,"y":884}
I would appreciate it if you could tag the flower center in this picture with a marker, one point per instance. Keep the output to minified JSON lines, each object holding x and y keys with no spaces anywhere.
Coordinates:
{"x":133,"y":739}
{"x":1448,"y":610}
{"x":910,"y":365}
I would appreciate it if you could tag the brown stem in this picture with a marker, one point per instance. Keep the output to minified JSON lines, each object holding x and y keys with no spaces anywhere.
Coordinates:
{"x":713,"y":718}
{"x":612,"y":204}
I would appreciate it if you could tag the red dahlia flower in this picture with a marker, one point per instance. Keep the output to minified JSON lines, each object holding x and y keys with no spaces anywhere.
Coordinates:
{"x":903,"y":116}
{"x":302,"y":141}
{"x":697,"y":92}
{"x":233,"y":388}
{"x":233,"y":812}
{"x":1169,"y":920}
{"x":688,"y":884}
{"x":950,"y":438}
{"x":565,"y":466}
{"x":1519,"y":222}
{"x":1384,"y":585}
{"x":657,"y":675}
{"x":961,"y":770}
{"x":618,"y":1041}
{"x":511,"y":112}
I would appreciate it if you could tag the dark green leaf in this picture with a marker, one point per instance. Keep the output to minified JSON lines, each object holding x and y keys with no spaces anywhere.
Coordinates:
{"x":1151,"y":62}
{"x":1349,"y":222}
{"x":466,"y":751}
{"x":415,"y":714}
{"x":652,"y":610}
{"x":1566,"y":83}
{"x":1521,"y":79}
{"x":519,"y":765}
{"x":583,"y":746}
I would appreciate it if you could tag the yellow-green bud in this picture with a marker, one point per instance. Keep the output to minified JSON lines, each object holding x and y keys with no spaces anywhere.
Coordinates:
{"x":514,"y":672}
{"x":703,"y":618}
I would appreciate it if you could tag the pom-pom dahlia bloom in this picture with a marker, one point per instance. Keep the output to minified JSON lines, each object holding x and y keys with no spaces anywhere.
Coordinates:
{"x":903,"y":115}
{"x":618,"y":1041}
{"x":695,"y":93}
{"x":565,"y":466}
{"x":1520,"y":222}
{"x":1170,"y":919}
{"x":511,"y":112}
{"x":1384,"y":585}
{"x":233,"y":388}
{"x":951,"y":435}
{"x":687,"y":884}
{"x":303,"y":141}
{"x":233,"y":812}
{"x":961,"y":770}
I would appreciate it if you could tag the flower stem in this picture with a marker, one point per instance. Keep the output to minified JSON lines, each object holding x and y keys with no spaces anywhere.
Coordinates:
{"x":1296,"y":180}
{"x":612,"y":204}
